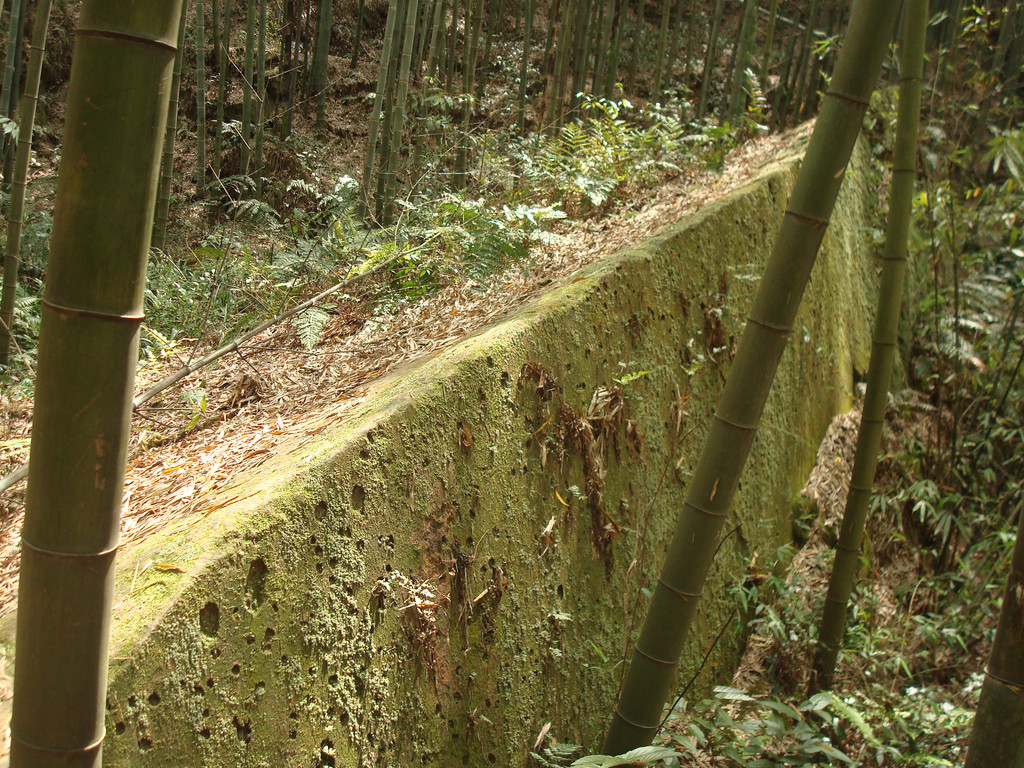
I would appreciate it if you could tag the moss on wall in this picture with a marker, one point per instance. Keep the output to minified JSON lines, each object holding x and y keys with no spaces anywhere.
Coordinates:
{"x":462,"y":557}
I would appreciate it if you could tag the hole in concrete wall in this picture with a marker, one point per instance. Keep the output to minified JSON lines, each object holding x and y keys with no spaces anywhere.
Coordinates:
{"x":332,"y":680}
{"x":133,"y":702}
{"x":236,"y":669}
{"x":490,"y":361}
{"x":243,"y":730}
{"x":210,"y":682}
{"x":319,"y":567}
{"x":154,"y":698}
{"x":268,"y":635}
{"x":205,"y":733}
{"x":284,"y":659}
{"x":198,"y":690}
{"x":256,"y":582}
{"x":343,"y":717}
{"x":215,"y":653}
{"x":326,"y":753}
{"x":561,"y":591}
{"x":358,"y":498}
{"x":321,"y":508}
{"x":361,"y":545}
{"x":250,"y":639}
{"x":209,"y":619}
{"x":119,"y":727}
{"x":318,"y":550}
{"x":492,"y":758}
{"x":293,"y":735}
{"x":506,"y":380}
{"x":145,"y":743}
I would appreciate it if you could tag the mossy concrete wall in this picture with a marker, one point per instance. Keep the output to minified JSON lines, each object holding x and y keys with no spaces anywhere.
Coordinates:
{"x":462,"y":558}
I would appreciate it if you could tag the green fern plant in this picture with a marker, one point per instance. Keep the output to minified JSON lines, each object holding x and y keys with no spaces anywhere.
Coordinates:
{"x":310,"y":325}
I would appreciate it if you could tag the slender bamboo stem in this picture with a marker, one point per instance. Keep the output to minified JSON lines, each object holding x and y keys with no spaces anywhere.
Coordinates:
{"x":378,"y":104}
{"x":222,"y":93}
{"x":248,"y":65}
{"x":200,"y":99}
{"x":163,"y":197}
{"x":320,"y":61}
{"x":709,"y":496}
{"x":709,"y":59}
{"x":261,"y":94}
{"x":391,"y":173}
{"x":833,"y":620}
{"x":88,"y":344}
{"x":16,"y":212}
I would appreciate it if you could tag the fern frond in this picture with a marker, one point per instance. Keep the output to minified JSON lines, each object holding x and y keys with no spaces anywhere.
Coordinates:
{"x":310,"y":325}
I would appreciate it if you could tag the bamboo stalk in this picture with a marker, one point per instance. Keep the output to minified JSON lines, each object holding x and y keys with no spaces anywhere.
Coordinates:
{"x":16,"y":213}
{"x":261,"y":94}
{"x":391,"y":171}
{"x":92,"y":310}
{"x":710,"y":494}
{"x":200,"y":99}
{"x":883,"y":347}
{"x":248,"y":66}
{"x":378,"y":105}
{"x":222,"y":92}
{"x":163,"y":197}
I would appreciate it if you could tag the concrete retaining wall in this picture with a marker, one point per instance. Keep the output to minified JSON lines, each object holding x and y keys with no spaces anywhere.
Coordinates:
{"x":462,"y":560}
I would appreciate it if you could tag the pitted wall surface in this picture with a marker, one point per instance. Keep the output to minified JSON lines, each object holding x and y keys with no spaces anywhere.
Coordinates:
{"x":465,"y":555}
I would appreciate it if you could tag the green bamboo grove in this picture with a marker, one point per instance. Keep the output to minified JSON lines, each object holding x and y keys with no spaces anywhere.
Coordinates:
{"x":249,"y":68}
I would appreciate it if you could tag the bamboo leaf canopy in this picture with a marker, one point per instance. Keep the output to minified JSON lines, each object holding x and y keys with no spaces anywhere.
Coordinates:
{"x":88,"y":344}
{"x":709,"y":497}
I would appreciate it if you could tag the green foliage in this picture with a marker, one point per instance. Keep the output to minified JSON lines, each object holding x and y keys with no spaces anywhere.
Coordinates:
{"x":612,"y":149}
{"x":759,"y":732}
{"x":310,"y":324}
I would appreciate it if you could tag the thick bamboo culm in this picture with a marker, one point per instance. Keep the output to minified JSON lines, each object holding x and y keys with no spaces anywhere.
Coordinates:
{"x":88,"y":343}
